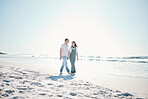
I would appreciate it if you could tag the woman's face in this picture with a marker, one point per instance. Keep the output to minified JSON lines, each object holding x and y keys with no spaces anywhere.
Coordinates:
{"x":73,"y":44}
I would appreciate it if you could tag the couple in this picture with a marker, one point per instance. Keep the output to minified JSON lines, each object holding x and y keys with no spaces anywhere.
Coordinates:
{"x":66,"y":54}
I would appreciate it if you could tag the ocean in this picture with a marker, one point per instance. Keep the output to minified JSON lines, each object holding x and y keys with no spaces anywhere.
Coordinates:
{"x":135,"y":66}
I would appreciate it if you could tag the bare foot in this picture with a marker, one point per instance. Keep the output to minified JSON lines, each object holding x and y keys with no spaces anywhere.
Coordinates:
{"x":72,"y":73}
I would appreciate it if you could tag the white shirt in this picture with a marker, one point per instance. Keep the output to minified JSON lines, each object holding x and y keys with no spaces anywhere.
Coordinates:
{"x":64,"y":48}
{"x":70,"y":49}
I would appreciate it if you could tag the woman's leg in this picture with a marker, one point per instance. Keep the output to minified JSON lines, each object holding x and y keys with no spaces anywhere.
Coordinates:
{"x":72,"y":66}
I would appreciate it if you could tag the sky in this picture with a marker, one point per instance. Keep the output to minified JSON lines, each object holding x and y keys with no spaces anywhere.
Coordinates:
{"x":99,"y":27}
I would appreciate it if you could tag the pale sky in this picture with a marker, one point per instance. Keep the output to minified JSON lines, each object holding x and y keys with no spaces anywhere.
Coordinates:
{"x":99,"y":27}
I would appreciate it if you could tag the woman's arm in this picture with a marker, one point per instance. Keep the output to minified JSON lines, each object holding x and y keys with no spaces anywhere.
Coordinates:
{"x":77,"y":56}
{"x":77,"y":53}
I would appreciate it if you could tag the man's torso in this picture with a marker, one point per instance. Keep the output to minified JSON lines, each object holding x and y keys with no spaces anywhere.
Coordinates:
{"x":64,"y":49}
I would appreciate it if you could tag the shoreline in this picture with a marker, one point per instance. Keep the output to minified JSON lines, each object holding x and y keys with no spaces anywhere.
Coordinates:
{"x":25,"y":83}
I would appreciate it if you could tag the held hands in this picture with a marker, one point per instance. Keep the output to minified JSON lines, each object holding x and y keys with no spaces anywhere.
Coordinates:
{"x":60,"y":57}
{"x":67,"y":57}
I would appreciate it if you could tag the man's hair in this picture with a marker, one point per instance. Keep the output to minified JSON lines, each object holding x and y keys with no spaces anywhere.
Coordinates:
{"x":66,"y":39}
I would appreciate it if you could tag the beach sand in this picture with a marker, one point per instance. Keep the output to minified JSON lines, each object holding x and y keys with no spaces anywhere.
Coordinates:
{"x":21,"y":83}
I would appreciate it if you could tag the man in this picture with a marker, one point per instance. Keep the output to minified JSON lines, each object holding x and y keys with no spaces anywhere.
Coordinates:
{"x":64,"y":54}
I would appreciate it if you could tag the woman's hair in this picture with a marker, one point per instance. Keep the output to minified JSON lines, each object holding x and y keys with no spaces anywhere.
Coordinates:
{"x":75,"y":43}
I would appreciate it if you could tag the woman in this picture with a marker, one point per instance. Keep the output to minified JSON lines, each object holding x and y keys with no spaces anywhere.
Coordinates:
{"x":73,"y":52}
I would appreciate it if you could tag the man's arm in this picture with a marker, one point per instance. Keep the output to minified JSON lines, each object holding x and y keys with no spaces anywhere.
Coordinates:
{"x":60,"y":53}
{"x":68,"y":54}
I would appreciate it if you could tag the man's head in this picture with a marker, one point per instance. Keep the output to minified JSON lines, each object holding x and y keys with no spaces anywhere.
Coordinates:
{"x":66,"y":41}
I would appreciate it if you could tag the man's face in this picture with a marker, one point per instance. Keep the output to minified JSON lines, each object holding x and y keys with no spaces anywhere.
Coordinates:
{"x":67,"y":41}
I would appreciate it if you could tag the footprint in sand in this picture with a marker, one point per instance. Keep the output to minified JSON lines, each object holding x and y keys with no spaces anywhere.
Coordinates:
{"x":5,"y":95}
{"x":59,"y":95}
{"x":43,"y":94}
{"x":72,"y":94}
{"x":6,"y":81}
{"x":49,"y":84}
{"x":60,"y":86}
{"x":9,"y":91}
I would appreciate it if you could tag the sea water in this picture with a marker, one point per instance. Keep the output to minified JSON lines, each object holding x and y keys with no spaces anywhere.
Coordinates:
{"x":122,"y":66}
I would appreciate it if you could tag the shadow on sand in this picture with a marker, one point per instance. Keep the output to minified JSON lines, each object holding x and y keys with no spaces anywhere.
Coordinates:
{"x":60,"y":76}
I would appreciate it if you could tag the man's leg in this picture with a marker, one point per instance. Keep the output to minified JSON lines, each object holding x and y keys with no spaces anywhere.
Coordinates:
{"x":65,"y":63}
{"x":62,"y":66}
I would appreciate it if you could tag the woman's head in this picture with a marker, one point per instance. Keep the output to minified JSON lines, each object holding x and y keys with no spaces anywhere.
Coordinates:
{"x":74,"y":44}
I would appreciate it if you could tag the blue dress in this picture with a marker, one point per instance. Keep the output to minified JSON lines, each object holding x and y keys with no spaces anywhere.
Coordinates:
{"x":72,"y":60}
